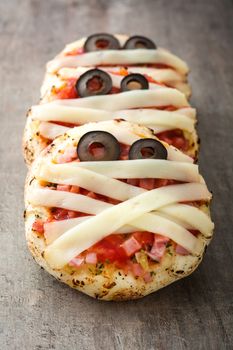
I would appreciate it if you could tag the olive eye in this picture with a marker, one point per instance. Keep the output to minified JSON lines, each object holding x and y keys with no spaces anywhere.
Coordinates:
{"x":147,"y":148}
{"x":139,"y":42}
{"x":102,"y":41}
{"x":93,"y":82}
{"x":134,"y":82}
{"x":98,"y":145}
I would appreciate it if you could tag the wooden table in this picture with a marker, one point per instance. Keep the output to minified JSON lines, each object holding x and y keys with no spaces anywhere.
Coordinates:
{"x":37,"y":312}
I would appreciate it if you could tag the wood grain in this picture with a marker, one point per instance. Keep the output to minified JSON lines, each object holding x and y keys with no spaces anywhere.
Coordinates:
{"x":36,"y":312}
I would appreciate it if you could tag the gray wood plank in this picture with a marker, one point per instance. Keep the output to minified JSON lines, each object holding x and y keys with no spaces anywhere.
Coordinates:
{"x":36,"y":312}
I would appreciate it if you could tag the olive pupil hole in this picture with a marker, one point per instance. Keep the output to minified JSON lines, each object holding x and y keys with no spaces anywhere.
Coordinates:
{"x":134,"y":85}
{"x":94,"y":84}
{"x":102,"y":44}
{"x":147,"y":152}
{"x":97,"y":150}
{"x":140,"y":45}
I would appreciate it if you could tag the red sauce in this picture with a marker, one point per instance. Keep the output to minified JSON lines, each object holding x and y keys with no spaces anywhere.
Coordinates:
{"x":175,"y":138}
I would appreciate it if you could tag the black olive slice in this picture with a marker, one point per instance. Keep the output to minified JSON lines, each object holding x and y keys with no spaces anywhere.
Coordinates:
{"x":101,"y":41}
{"x":98,"y":145}
{"x":134,"y":82}
{"x":147,"y":148}
{"x":139,"y":42}
{"x":93,"y":82}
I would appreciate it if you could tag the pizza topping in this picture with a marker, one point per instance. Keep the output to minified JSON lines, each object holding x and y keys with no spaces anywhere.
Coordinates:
{"x":98,"y":145}
{"x":159,"y":97}
{"x":131,"y":246}
{"x":134,"y":82}
{"x":94,"y":82}
{"x":132,"y":211}
{"x":158,"y":58}
{"x":158,"y":248}
{"x":91,"y":258}
{"x":102,"y":41}
{"x":139,"y":42}
{"x":147,"y":148}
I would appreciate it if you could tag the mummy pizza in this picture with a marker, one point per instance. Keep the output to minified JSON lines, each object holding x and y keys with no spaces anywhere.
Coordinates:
{"x":116,"y":213}
{"x":99,"y":95}
{"x":118,"y":54}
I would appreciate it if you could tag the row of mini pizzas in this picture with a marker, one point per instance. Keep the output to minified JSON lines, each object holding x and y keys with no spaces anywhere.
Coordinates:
{"x":115,"y":205}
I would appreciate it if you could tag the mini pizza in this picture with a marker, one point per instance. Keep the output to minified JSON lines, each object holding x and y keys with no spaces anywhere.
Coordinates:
{"x":119,"y":54}
{"x":116,"y":213}
{"x":97,"y":95}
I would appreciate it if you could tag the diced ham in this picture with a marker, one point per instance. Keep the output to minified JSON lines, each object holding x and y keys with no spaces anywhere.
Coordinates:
{"x":158,"y":248}
{"x":71,"y":214}
{"x":69,"y":155}
{"x":181,"y":251}
{"x":148,"y":184}
{"x":137,"y":270}
{"x":63,"y":188}
{"x":38,"y":226}
{"x":91,"y":258}
{"x":147,"y":277}
{"x":131,"y":246}
{"x":75,"y":189}
{"x":92,"y":195}
{"x":133,"y":182}
{"x":78,"y":261}
{"x":60,"y":214}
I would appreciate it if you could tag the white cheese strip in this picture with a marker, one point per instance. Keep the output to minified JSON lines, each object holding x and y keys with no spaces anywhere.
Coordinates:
{"x":51,"y":131}
{"x":121,"y":169}
{"x":79,"y":176}
{"x":151,"y":222}
{"x":161,"y":96}
{"x":119,"y":57}
{"x":66,"y":200}
{"x":54,"y":229}
{"x":170,"y":229}
{"x":80,"y":238}
{"x":178,"y":156}
{"x":147,"y":117}
{"x":192,"y":216}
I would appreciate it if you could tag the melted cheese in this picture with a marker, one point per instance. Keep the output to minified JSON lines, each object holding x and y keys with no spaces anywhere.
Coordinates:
{"x":119,"y":57}
{"x":161,"y":96}
{"x":101,"y":171}
{"x":66,"y":200}
{"x":192,"y":216}
{"x":80,"y":238}
{"x":180,"y":119}
{"x":150,"y":222}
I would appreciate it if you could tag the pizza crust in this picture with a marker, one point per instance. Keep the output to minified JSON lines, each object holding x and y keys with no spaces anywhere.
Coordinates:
{"x":108,"y":283}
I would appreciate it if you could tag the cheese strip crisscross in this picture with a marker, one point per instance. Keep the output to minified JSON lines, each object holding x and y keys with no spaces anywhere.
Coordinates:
{"x":72,"y":174}
{"x":151,"y":222}
{"x":91,"y":231}
{"x":186,"y":216}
